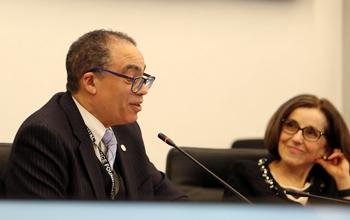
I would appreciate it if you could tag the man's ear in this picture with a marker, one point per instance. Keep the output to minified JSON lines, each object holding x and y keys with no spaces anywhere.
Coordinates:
{"x":88,"y":82}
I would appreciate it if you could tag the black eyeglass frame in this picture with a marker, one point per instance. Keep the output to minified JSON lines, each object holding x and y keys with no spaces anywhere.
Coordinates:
{"x":302,"y":130}
{"x":150,"y":79}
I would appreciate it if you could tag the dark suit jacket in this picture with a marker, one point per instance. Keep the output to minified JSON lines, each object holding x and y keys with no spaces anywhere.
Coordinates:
{"x":53,"y":158}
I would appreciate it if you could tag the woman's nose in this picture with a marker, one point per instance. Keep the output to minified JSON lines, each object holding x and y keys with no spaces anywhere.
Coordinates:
{"x":298,"y":137}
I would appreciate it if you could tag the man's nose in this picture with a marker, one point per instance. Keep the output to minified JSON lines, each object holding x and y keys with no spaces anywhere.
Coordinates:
{"x":143,"y":90}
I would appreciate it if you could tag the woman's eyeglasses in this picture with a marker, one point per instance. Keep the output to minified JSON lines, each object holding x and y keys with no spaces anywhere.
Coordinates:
{"x":310,"y":133}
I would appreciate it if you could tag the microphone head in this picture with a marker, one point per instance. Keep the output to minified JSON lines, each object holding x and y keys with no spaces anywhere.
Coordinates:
{"x":291,"y":192}
{"x":297,"y":193}
{"x":167,"y":140}
{"x":162,"y":136}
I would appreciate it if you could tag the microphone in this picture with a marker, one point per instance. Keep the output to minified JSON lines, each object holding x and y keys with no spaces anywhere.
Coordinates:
{"x":167,"y":140}
{"x":303,"y":194}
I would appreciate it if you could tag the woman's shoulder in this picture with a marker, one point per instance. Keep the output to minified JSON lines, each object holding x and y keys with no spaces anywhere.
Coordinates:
{"x":249,"y":178}
{"x":249,"y":167}
{"x":246,"y":163}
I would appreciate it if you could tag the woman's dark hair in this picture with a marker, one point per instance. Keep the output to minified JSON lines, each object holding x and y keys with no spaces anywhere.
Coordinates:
{"x":336,"y":133}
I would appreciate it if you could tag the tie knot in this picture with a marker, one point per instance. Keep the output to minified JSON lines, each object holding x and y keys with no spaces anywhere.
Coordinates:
{"x":109,"y":138}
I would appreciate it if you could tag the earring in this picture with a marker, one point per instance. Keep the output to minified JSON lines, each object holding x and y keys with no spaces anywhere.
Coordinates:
{"x":325,"y":157}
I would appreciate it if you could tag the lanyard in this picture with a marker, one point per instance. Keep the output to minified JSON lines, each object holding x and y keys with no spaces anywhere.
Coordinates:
{"x":104,"y":162}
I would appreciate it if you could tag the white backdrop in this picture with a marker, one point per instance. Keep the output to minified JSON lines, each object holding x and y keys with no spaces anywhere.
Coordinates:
{"x":222,"y":67}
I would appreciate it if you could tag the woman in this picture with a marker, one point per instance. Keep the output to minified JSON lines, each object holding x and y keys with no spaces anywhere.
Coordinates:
{"x":310,"y":147}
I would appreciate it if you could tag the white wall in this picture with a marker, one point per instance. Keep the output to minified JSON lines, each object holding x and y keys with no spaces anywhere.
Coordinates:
{"x":222,"y":67}
{"x":346,"y":60}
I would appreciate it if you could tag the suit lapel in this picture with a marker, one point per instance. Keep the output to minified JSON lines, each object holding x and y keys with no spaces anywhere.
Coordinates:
{"x":123,"y":164}
{"x":92,"y":166}
{"x":86,"y":147}
{"x":123,"y":161}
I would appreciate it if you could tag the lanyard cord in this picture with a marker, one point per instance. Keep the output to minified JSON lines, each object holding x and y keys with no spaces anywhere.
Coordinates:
{"x":107,"y":166}
{"x":104,"y":162}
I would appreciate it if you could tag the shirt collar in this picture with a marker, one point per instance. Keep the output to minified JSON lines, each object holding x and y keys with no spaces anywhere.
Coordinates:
{"x":95,"y":126}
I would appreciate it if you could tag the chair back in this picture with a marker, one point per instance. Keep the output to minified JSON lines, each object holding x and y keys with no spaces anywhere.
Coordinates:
{"x":5,"y":149}
{"x":249,"y":143}
{"x":197,"y":183}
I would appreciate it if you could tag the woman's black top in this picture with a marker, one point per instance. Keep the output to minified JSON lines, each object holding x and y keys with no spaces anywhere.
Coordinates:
{"x":254,"y":181}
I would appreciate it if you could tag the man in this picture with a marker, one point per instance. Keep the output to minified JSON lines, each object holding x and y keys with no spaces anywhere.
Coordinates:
{"x":85,"y":143}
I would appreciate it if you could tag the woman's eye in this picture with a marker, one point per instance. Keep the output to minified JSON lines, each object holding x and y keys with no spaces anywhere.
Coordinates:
{"x":292,"y":125}
{"x":311,"y":132}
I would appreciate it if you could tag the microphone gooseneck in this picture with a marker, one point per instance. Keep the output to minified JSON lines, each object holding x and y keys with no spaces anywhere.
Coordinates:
{"x":303,"y":194}
{"x":167,"y":140}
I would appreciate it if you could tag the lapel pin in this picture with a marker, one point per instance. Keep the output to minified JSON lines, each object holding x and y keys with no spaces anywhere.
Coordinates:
{"x":123,"y":147}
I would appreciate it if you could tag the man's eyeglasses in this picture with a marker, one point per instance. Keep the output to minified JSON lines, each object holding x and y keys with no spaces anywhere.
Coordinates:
{"x":137,"y":82}
{"x":309,"y":133}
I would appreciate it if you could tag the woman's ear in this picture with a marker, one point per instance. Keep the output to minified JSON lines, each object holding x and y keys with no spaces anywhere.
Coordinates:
{"x":88,"y":82}
{"x":329,"y":150}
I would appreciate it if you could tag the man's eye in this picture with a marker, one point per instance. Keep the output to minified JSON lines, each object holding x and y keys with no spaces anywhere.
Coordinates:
{"x":128,"y":80}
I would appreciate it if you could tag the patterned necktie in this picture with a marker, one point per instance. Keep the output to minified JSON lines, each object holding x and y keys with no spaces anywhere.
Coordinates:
{"x":111,"y":144}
